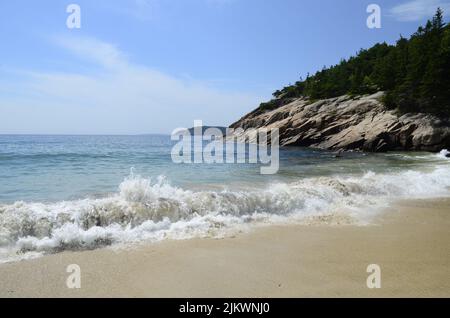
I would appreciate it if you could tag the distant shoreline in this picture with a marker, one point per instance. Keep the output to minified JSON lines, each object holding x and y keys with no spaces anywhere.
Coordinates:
{"x":444,"y":147}
{"x":85,"y":135}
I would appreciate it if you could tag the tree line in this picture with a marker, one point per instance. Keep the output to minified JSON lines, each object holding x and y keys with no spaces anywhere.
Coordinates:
{"x":414,"y":73}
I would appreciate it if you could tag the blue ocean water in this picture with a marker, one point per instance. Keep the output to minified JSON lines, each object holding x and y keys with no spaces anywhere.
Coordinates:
{"x":52,"y":168}
{"x":82,"y":192}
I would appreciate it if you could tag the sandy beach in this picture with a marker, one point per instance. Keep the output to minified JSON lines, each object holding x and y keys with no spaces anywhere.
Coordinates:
{"x":410,"y":242}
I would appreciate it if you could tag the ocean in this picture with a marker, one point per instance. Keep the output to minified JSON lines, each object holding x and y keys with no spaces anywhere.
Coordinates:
{"x":62,"y":193}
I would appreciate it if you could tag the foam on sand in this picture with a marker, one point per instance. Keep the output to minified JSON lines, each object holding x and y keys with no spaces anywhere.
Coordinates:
{"x":153,"y":210}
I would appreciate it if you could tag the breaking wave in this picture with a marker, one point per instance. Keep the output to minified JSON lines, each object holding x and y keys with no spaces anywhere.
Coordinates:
{"x":153,"y":210}
{"x":444,"y":154}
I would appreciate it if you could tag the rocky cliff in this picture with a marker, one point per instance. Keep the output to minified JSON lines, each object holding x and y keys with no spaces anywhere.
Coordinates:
{"x":350,"y":123}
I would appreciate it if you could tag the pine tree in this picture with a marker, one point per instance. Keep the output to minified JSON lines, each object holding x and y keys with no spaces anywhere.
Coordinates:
{"x":438,"y":20}
{"x":414,"y":73}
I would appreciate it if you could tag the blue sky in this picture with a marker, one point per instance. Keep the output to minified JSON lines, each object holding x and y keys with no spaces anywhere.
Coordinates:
{"x":150,"y":66}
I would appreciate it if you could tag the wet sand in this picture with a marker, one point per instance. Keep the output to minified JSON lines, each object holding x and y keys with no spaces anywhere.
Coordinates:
{"x":410,"y":242}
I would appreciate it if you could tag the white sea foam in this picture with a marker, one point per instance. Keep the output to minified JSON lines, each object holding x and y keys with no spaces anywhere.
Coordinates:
{"x":444,"y":154}
{"x":153,"y":210}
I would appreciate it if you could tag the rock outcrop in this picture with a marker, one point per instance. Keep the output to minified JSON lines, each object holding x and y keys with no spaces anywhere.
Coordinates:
{"x":350,"y":123}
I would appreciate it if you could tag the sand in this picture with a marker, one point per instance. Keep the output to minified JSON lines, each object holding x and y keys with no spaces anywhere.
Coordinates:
{"x":410,"y":242}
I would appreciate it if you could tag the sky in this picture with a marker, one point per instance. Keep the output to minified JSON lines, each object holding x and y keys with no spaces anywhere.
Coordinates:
{"x":151,"y":66}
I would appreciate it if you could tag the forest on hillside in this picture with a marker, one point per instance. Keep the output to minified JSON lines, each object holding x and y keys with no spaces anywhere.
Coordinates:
{"x":414,"y":73}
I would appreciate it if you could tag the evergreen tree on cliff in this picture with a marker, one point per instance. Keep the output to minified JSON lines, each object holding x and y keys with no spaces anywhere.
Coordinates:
{"x":414,"y":73}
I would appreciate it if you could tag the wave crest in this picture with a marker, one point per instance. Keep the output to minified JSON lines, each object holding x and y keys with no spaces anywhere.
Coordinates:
{"x":149,"y":210}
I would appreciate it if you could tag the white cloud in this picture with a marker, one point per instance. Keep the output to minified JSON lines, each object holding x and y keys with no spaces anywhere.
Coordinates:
{"x":116,"y":96}
{"x":417,"y":10}
{"x":104,"y":54}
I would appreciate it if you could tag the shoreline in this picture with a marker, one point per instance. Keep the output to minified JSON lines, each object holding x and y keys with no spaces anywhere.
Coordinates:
{"x":410,"y":241}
